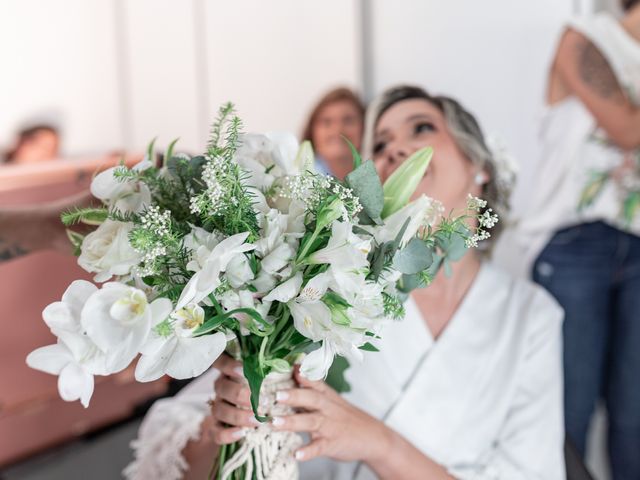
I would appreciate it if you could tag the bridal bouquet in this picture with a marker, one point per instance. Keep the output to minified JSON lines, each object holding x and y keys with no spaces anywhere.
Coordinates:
{"x":243,"y":249}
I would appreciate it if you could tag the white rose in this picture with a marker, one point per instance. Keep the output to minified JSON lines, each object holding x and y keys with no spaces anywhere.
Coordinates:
{"x":107,"y":251}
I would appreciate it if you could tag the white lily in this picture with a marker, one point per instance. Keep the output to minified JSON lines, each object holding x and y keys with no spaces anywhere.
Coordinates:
{"x":118,"y":318}
{"x":125,"y":196}
{"x":345,"y":250}
{"x":64,"y":316}
{"x":207,"y":280}
{"x":418,"y":210}
{"x":239,"y":271}
{"x":172,"y":349}
{"x":286,"y":291}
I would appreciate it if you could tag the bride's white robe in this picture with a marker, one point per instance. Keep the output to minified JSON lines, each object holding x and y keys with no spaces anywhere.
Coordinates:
{"x":484,"y":400}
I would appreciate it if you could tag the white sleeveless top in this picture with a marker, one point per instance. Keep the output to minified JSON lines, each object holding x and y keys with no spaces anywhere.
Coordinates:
{"x":484,"y":400}
{"x":577,"y":159}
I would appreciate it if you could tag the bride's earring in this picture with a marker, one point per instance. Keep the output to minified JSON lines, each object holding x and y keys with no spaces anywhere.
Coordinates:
{"x":480,"y":178}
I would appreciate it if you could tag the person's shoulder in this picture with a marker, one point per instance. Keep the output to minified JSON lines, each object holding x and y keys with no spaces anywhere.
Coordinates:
{"x":526,"y":302}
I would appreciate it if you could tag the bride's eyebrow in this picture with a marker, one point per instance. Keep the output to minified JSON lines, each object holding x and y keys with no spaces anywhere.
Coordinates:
{"x":419,"y":116}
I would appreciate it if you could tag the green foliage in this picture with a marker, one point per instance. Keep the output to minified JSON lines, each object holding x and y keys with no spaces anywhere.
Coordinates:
{"x":335,"y":378}
{"x":255,"y":374}
{"x":365,"y":183}
{"x":415,"y":257}
{"x":88,"y":215}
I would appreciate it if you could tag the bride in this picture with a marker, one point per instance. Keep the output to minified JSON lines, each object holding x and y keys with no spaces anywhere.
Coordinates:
{"x":467,"y":386}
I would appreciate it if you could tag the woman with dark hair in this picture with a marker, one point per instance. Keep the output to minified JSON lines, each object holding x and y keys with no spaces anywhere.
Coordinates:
{"x":580,"y":236}
{"x":35,"y":144}
{"x":338,"y":113}
{"x":467,"y":386}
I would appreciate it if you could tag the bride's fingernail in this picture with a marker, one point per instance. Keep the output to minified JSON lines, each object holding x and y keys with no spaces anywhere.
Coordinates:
{"x":281,"y":396}
{"x":239,"y":434}
{"x":299,"y":455}
{"x":277,"y":421}
{"x":239,"y":371}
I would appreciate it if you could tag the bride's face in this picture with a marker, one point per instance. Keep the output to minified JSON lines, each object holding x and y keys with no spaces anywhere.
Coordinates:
{"x":410,"y":125}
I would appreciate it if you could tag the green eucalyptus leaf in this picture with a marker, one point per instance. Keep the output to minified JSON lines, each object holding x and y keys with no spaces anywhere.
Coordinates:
{"x":415,"y":257}
{"x":365,"y":183}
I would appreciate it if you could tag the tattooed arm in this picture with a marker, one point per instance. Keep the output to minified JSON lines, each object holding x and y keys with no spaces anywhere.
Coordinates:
{"x":26,"y":229}
{"x":585,"y":72}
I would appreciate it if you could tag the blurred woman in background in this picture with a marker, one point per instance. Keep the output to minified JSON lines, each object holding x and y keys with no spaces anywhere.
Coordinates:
{"x":35,"y":144}
{"x":583,"y":225}
{"x":338,"y":113}
{"x":468,"y":385}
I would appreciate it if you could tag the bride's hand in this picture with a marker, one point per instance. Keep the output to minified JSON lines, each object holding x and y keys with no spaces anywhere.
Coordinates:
{"x":231,"y":412}
{"x":338,"y":429}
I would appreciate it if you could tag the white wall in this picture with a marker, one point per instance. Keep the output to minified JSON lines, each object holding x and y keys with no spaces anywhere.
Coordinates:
{"x":120,"y":72}
{"x":492,"y":55}
{"x":58,"y":60}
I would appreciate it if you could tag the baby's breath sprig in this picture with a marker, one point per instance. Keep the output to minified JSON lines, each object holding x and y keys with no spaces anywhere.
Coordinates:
{"x":486,"y":220}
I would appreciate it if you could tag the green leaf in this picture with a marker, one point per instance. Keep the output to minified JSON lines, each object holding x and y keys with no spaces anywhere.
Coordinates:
{"x":279,"y":365}
{"x":169,"y":154}
{"x":254,"y":374}
{"x":402,"y":183}
{"x":453,"y":244}
{"x":150,"y":151}
{"x":415,"y":257}
{"x":368,"y":347}
{"x":335,"y":378}
{"x":76,"y":240}
{"x":357,"y":159}
{"x":89,"y":216}
{"x":365,"y":183}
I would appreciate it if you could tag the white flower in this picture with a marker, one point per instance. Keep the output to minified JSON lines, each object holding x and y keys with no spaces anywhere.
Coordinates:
{"x":207,"y":280}
{"x":75,"y":358}
{"x":118,"y":318}
{"x":64,"y":316}
{"x":107,"y":251}
{"x":316,"y":364}
{"x":418,"y":211}
{"x":123,"y":195}
{"x":172,"y":349}
{"x":239,"y":271}
{"x":345,"y":250}
{"x":475,"y":203}
{"x":268,"y":156}
{"x":286,"y":291}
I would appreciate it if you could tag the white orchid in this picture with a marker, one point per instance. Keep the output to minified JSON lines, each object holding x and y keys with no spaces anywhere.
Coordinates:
{"x":118,"y":318}
{"x":107,"y":252}
{"x":75,"y":358}
{"x":122,"y":194}
{"x":171,"y":348}
{"x":207,"y":280}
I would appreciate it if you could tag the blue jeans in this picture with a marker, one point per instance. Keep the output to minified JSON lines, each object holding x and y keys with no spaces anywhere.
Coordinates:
{"x":593,"y":271}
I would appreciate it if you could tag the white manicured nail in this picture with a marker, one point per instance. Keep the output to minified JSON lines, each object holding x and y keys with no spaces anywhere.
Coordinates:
{"x":277,"y":421}
{"x":239,"y":434}
{"x":239,"y":371}
{"x":299,"y":455}
{"x":281,"y":396}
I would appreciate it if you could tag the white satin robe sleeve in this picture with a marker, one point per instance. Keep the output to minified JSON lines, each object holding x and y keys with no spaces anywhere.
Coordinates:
{"x":530,"y":444}
{"x":167,"y":428}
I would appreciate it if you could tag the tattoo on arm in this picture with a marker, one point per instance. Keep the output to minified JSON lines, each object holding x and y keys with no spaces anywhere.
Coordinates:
{"x":595,"y":71}
{"x":9,"y":251}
